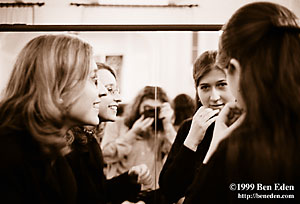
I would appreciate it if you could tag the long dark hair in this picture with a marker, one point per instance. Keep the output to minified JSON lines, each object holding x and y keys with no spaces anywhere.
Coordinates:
{"x":264,"y":38}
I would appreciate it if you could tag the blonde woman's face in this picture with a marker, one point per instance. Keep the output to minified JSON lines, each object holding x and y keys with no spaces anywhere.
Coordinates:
{"x":213,"y":90}
{"x":86,"y":108}
{"x":110,"y":102}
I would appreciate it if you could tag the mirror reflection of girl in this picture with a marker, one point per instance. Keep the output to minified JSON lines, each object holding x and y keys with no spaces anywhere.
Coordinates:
{"x":51,"y":89}
{"x":260,"y":49}
{"x":86,"y":157}
{"x":132,"y":139}
{"x":194,"y":136}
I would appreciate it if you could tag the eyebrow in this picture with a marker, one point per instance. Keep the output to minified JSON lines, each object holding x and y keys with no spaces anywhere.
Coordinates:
{"x":222,"y":80}
{"x":110,"y":85}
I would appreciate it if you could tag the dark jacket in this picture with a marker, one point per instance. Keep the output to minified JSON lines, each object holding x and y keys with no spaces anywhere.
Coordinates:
{"x":179,"y":170}
{"x":28,"y":175}
{"x":219,"y":181}
{"x":86,"y":161}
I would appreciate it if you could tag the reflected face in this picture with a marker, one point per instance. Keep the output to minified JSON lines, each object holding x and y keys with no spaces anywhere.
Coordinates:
{"x":84,"y":111}
{"x":109,"y":103}
{"x":148,"y":104}
{"x":213,"y":90}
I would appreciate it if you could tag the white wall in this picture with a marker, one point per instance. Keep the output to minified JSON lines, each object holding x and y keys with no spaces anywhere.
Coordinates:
{"x":150,"y":58}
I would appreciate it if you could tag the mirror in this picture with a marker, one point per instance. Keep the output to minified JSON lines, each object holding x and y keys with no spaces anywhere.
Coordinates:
{"x":141,"y":58}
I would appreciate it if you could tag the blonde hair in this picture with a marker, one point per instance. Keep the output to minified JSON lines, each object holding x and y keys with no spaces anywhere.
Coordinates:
{"x":47,"y":78}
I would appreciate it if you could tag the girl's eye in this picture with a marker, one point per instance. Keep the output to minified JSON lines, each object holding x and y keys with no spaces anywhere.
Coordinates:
{"x":222,"y":84}
{"x":204,"y":87}
{"x":109,"y":89}
{"x":95,"y":80}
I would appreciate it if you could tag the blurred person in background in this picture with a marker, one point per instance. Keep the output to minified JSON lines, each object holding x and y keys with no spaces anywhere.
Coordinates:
{"x":137,"y":138}
{"x":184,"y":107}
{"x":86,"y":158}
{"x":256,"y":139}
{"x":194,"y":135}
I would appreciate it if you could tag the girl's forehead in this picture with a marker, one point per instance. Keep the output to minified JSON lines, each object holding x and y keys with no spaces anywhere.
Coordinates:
{"x":150,"y":102}
{"x":213,"y":75}
{"x":93,"y":67}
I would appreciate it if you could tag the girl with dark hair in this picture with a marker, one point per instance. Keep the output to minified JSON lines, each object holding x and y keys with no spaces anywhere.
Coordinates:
{"x":137,"y":138}
{"x":260,"y":49}
{"x":86,"y":158}
{"x":194,"y":136}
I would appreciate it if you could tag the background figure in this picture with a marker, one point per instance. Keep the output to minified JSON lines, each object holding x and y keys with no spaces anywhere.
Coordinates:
{"x":184,"y":107}
{"x":86,"y":157}
{"x":132,"y":139}
{"x":194,"y":135}
{"x":52,"y":88}
{"x":256,"y":139}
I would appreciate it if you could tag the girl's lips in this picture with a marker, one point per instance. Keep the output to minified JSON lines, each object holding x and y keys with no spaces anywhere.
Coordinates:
{"x":218,"y":106}
{"x":113,"y":107}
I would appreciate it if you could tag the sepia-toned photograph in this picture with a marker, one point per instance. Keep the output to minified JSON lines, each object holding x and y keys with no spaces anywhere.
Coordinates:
{"x":149,"y":101}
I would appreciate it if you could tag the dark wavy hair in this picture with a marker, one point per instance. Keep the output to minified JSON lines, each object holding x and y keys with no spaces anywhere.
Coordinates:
{"x":148,"y":92}
{"x":264,"y":38}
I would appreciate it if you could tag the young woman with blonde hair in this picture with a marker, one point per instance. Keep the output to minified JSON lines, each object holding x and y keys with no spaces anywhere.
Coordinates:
{"x":53,"y":87}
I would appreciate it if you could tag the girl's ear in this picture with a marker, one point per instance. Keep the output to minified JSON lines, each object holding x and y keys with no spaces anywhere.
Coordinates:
{"x":234,"y":67}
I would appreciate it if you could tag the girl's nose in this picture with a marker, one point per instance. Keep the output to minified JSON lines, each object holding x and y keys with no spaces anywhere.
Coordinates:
{"x":117,"y":98}
{"x":102,"y":90}
{"x":215,"y":95}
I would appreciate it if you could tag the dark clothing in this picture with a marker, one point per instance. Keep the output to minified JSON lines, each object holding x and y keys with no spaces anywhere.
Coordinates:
{"x":86,"y":161}
{"x":238,"y":182}
{"x":179,"y":170}
{"x":28,"y":175}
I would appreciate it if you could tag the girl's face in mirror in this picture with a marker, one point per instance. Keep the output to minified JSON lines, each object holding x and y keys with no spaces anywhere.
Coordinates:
{"x":213,"y":90}
{"x":109,"y":103}
{"x":149,"y":104}
{"x":84,"y":111}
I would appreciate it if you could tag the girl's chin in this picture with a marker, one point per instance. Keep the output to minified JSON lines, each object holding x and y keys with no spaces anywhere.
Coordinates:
{"x":107,"y":119}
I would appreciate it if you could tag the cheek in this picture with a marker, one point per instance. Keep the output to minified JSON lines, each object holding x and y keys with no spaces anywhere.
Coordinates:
{"x":232,"y":85}
{"x":104,"y":104}
{"x":90,"y":91}
{"x":204,"y":97}
{"x":227,"y":95}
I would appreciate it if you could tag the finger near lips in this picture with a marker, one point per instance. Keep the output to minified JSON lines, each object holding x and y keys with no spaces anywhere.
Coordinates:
{"x":213,"y":113}
{"x":208,"y":113}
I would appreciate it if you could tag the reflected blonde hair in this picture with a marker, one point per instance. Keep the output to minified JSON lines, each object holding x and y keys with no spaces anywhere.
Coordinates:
{"x":47,"y":78}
